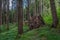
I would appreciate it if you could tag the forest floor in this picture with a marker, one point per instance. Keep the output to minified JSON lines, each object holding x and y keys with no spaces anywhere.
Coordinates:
{"x":42,"y":33}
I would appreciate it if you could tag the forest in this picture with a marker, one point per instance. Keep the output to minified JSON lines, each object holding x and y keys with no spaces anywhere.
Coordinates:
{"x":29,"y":19}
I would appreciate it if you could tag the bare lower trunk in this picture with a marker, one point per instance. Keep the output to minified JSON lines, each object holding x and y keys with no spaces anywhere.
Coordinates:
{"x":0,"y":14}
{"x":7,"y":14}
{"x":20,"y":16}
{"x":54,"y":13}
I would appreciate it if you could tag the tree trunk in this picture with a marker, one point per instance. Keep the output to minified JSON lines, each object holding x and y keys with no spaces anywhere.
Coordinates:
{"x":20,"y":16}
{"x":54,"y":13}
{"x":7,"y":14}
{"x":0,"y":14}
{"x":34,"y":16}
{"x":4,"y":11}
{"x":40,"y":18}
{"x":15,"y":15}
{"x":29,"y":18}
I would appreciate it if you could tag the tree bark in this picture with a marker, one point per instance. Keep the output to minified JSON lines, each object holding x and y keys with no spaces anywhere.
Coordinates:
{"x":4,"y":12}
{"x":20,"y":16}
{"x":54,"y":13}
{"x":7,"y":14}
{"x":0,"y":14}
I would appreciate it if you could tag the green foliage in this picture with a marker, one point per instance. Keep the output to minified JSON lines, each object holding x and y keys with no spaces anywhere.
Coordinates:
{"x":41,"y":33}
{"x":36,"y":34}
{"x":12,"y":33}
{"x":58,"y":11}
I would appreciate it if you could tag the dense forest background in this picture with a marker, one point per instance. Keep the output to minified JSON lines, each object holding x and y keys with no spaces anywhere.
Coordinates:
{"x":29,"y":19}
